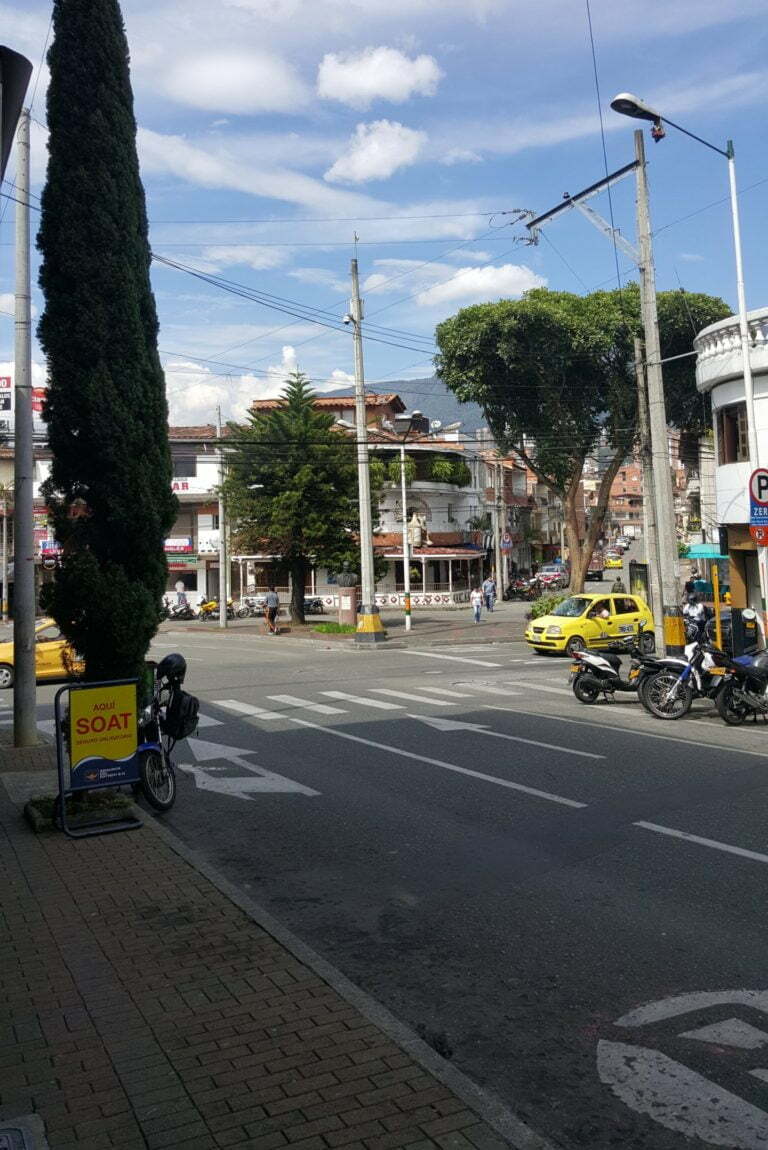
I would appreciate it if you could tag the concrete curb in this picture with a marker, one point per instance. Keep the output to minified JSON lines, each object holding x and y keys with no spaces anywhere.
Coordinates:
{"x":486,"y":1104}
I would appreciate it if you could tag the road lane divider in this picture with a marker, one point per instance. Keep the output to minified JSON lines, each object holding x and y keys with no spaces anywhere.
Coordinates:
{"x":609,"y":726}
{"x":410,"y":697}
{"x":713,"y":844}
{"x":379,"y":704}
{"x":414,"y":756}
{"x":306,"y":705}
{"x":478,"y":728}
{"x":453,"y":658}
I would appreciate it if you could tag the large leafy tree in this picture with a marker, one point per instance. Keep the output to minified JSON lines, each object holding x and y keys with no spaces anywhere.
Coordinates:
{"x":109,"y":491}
{"x":554,"y":375}
{"x":305,"y":507}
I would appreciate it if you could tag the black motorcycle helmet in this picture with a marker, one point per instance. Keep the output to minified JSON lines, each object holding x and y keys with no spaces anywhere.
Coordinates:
{"x":173,"y":667}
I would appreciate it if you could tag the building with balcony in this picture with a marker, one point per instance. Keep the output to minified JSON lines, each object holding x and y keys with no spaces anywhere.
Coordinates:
{"x":719,"y":373}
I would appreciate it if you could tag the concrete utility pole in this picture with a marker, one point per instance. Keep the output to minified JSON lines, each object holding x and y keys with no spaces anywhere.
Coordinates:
{"x":369,"y":626}
{"x":674,"y":632}
{"x":223,"y":560}
{"x":4,"y":569}
{"x":650,"y":539}
{"x":406,"y":548}
{"x":497,"y":525}
{"x":24,"y":695}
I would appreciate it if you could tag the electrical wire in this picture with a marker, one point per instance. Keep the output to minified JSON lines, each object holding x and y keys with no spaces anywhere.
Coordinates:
{"x":40,"y":68}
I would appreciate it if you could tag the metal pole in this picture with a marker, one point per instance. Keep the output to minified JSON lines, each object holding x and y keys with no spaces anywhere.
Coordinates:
{"x":650,"y":534}
{"x":222,"y":530}
{"x":369,"y":625}
{"x":746,"y":365}
{"x":674,"y":633}
{"x":24,"y":695}
{"x":406,"y":549}
{"x":4,"y":572}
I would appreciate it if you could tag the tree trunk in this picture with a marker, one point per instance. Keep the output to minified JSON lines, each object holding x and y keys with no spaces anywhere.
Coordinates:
{"x":578,"y":557}
{"x":298,"y":569}
{"x":581,"y":555}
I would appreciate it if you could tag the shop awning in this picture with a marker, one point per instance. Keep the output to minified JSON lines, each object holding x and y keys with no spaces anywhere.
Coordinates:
{"x":704,"y":551}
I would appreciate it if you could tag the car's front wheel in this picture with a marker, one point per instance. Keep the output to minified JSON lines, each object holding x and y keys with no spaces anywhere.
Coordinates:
{"x":574,"y":644}
{"x":6,"y":676}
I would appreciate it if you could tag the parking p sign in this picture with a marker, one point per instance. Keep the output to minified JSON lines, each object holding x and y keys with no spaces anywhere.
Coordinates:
{"x":758,"y":497}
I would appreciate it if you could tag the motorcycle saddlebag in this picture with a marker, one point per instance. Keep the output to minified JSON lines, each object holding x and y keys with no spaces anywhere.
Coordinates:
{"x":181,"y":716}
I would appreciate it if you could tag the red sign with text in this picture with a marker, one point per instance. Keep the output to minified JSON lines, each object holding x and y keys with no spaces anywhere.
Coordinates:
{"x":759,"y":533}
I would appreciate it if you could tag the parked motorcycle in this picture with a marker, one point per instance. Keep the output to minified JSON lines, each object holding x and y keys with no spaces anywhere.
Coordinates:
{"x":179,"y":612}
{"x":669,"y":693}
{"x":596,"y":673}
{"x":249,"y":607}
{"x":313,"y":605}
{"x":210,"y":610}
{"x":169,"y":715}
{"x":745,"y":689}
{"x":524,"y":589}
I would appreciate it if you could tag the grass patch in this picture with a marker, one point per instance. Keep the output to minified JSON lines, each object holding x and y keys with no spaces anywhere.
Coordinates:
{"x":39,"y":811}
{"x":335,"y":628}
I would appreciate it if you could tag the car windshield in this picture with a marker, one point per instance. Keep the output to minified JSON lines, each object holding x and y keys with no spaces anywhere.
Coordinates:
{"x":573,"y":606}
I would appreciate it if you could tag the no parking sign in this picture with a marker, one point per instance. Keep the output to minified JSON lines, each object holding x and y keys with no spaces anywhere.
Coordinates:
{"x":758,"y":506}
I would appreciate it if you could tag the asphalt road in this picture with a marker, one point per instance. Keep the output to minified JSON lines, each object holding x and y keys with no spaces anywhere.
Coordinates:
{"x":508,"y":871}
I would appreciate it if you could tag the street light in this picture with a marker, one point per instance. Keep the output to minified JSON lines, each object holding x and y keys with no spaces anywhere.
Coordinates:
{"x":628,"y":104}
{"x":403,"y":497}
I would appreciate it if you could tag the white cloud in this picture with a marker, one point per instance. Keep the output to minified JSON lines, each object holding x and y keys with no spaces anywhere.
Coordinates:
{"x":320,"y":277}
{"x":212,"y":166}
{"x":8,"y":304}
{"x":476,"y":285}
{"x":194,"y":391}
{"x":237,"y":82}
{"x":691,"y":258}
{"x":376,"y":151}
{"x":246,"y":255}
{"x":460,"y":156}
{"x":376,"y":74}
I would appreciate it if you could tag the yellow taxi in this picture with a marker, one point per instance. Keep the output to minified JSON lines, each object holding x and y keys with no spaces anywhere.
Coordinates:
{"x":54,"y":658}
{"x":592,"y":620}
{"x":613,"y":559}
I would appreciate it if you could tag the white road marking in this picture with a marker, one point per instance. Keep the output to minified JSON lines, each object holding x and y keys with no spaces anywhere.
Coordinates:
{"x":535,"y":687}
{"x":379,"y":703}
{"x":453,"y":658}
{"x":713,"y":844}
{"x":295,"y":701}
{"x":242,"y":786}
{"x":730,"y":1032}
{"x":208,"y":721}
{"x":437,"y":763}
{"x":247,"y":709}
{"x":410,"y":697}
{"x":478,"y":728}
{"x":672,"y":1093}
{"x":625,"y":730}
{"x":47,"y":726}
{"x":445,"y":691}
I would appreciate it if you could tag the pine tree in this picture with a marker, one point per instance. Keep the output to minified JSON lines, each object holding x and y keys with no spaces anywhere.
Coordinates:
{"x":306,"y":507}
{"x":106,"y":410}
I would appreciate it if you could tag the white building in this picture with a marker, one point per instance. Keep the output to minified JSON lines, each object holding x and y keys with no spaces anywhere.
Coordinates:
{"x":719,"y":372}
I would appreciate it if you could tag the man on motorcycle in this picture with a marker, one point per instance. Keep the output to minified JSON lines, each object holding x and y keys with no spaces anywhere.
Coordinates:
{"x":695,"y":613}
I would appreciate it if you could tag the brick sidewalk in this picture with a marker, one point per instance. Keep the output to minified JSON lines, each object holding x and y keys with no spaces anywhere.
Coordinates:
{"x":142,"y":1008}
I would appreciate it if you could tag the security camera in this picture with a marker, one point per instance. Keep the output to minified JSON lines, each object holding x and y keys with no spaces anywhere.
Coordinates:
{"x":347,"y":319}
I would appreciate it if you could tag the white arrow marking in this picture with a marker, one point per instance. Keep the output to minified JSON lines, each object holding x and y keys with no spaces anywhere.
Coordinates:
{"x":240,"y":787}
{"x":452,"y":725}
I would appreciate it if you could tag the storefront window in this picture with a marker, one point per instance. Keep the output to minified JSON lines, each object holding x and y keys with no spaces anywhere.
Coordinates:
{"x":732,"y":441}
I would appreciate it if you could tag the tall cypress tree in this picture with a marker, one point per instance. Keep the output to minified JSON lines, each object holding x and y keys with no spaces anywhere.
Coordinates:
{"x":106,"y":409}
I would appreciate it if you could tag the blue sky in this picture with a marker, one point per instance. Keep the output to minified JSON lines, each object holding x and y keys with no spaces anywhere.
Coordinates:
{"x":272,"y":130}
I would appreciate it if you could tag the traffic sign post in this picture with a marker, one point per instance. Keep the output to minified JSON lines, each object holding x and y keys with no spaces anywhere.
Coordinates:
{"x":758,"y":503}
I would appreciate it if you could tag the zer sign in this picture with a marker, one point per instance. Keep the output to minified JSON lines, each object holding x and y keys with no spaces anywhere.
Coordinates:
{"x":758,"y":497}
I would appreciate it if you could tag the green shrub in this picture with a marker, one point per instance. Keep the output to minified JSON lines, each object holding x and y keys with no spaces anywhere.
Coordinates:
{"x":393,"y":470}
{"x":546,"y":603}
{"x":462,"y":476}
{"x":441,"y":470}
{"x":335,"y":628}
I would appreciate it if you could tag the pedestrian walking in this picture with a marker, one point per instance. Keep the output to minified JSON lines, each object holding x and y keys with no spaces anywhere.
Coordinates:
{"x":618,"y":587}
{"x":489,"y":592}
{"x":476,"y":602}
{"x":271,"y":608}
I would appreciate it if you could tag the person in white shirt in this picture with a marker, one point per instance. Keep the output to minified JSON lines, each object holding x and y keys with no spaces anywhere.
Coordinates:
{"x":476,"y":602}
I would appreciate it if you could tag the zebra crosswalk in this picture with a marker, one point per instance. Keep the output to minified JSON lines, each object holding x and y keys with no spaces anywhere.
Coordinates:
{"x":380,"y":699}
